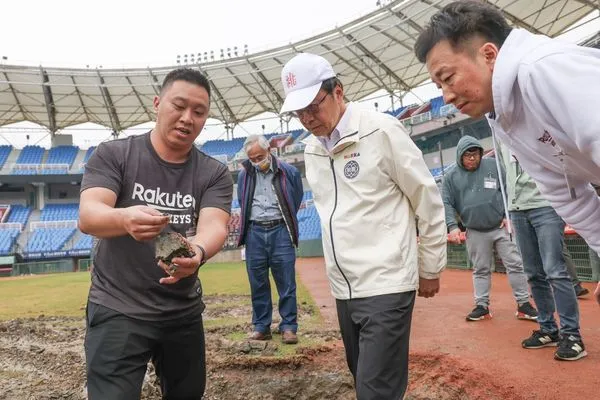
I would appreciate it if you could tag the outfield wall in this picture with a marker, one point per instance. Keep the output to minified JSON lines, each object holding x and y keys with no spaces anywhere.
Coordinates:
{"x":587,"y":264}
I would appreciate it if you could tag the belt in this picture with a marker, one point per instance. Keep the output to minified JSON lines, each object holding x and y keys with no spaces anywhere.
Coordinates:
{"x":268,"y":224}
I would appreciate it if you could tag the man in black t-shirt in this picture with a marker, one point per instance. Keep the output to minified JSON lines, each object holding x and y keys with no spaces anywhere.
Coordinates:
{"x":133,"y":189}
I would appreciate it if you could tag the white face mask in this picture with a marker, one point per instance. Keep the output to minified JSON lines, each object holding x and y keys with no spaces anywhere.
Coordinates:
{"x":263,"y":165}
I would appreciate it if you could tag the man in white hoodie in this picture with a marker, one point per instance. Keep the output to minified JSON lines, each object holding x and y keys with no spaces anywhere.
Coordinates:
{"x":540,"y":96}
{"x":369,"y":183}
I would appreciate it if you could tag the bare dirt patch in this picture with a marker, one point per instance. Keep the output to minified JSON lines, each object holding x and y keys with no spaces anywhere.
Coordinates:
{"x":42,"y":358}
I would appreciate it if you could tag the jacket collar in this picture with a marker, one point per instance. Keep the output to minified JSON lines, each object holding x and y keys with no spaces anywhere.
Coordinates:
{"x":348,"y":131}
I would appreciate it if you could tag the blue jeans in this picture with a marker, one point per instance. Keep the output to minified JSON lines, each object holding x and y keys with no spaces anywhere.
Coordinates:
{"x":271,"y":248}
{"x":540,"y":236}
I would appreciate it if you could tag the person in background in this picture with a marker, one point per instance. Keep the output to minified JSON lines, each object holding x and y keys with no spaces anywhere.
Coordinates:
{"x":270,"y":193}
{"x":539,"y":234}
{"x":580,"y":291}
{"x":471,"y":190}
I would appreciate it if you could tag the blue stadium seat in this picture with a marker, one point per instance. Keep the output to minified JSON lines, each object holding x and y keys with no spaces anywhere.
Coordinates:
{"x":8,"y":238}
{"x":309,"y":223}
{"x":84,"y":242}
{"x":60,"y":212}
{"x":219,"y":147}
{"x":31,"y":155}
{"x":308,"y":195}
{"x":396,"y":112}
{"x":19,"y":214}
{"x":88,"y":154}
{"x":436,"y":104}
{"x":48,"y":239}
{"x":4,"y":153}
{"x":61,"y":155}
{"x":296,"y":133}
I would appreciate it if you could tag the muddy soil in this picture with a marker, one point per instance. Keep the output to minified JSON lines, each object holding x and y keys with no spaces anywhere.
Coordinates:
{"x":42,"y":359}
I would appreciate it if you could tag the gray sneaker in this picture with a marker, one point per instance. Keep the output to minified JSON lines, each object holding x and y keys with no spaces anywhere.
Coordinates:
{"x":570,"y":348}
{"x":539,"y":339}
{"x":526,"y":311}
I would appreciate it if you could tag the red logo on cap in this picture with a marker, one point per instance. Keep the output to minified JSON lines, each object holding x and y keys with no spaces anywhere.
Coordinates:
{"x":291,"y":80}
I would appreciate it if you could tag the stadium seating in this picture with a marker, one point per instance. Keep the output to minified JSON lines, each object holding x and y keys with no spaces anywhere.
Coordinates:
{"x":84,"y":242}
{"x":48,"y":239}
{"x":4,"y":153}
{"x":219,"y":147}
{"x":296,"y":133}
{"x":309,"y":223}
{"x":7,"y":240}
{"x":88,"y":154}
{"x":60,"y":212}
{"x":31,"y":155}
{"x":436,"y":104}
{"x":61,"y":155}
{"x":19,"y":214}
{"x":396,"y":112}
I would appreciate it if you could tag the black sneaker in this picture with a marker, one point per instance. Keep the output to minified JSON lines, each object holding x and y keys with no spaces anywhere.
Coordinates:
{"x":570,"y":348}
{"x":580,"y":290}
{"x":539,"y":339}
{"x":479,"y":313}
{"x":526,"y":311}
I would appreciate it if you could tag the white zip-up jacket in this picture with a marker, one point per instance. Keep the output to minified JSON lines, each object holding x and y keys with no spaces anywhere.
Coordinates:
{"x":368,"y":191}
{"x":547,"y":112}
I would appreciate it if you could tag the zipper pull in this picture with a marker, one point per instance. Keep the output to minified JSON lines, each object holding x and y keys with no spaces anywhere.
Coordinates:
{"x":571,"y":189}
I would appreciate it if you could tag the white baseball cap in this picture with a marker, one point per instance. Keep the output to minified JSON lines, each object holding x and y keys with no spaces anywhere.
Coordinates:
{"x":301,"y":78}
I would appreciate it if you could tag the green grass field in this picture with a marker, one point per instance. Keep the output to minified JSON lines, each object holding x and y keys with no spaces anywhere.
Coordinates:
{"x":65,"y":294}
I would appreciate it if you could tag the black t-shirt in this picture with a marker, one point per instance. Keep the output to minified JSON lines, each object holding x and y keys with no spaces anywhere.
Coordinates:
{"x":125,"y":276}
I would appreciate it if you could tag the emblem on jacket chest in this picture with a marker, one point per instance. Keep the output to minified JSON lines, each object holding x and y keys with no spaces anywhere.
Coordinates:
{"x":351,"y":169}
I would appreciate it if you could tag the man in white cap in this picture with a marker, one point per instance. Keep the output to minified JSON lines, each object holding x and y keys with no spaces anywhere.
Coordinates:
{"x":370,"y":184}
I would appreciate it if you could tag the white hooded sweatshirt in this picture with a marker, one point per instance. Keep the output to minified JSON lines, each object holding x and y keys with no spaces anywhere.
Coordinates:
{"x":547,"y":111}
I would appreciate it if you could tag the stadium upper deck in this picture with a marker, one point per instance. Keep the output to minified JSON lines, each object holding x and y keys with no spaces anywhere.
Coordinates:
{"x":371,"y":53}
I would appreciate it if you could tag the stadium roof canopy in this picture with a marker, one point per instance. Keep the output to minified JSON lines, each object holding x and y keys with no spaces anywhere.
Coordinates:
{"x":370,"y":53}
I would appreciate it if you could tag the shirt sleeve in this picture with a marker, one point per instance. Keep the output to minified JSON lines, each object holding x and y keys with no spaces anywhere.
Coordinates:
{"x":219,"y":192}
{"x":564,"y":91}
{"x":448,"y":200}
{"x":413,"y":178}
{"x":298,"y":188}
{"x":104,"y":168}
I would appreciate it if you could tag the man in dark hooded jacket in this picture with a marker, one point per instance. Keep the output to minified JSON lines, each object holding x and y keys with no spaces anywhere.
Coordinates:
{"x":471,"y":190}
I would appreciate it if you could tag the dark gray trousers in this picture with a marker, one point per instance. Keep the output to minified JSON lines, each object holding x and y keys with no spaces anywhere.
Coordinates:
{"x":376,"y":333}
{"x":118,"y":348}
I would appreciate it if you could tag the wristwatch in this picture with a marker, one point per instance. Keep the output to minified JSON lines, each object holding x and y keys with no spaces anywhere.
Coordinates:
{"x":203,"y":261}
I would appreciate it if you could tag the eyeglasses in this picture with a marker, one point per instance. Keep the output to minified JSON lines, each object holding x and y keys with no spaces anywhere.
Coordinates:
{"x":311,"y":109}
{"x":471,"y":154}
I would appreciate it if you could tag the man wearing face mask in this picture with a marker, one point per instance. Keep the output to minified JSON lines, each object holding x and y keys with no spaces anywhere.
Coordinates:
{"x":270,"y":192}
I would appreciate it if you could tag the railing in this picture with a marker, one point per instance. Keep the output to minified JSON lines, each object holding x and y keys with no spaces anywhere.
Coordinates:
{"x":420,"y":118}
{"x":40,"y":169}
{"x":53,"y":224}
{"x":11,"y":225}
{"x":294,"y":148}
{"x":448,"y":109}
{"x":4,"y":211}
{"x":221,"y":158}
